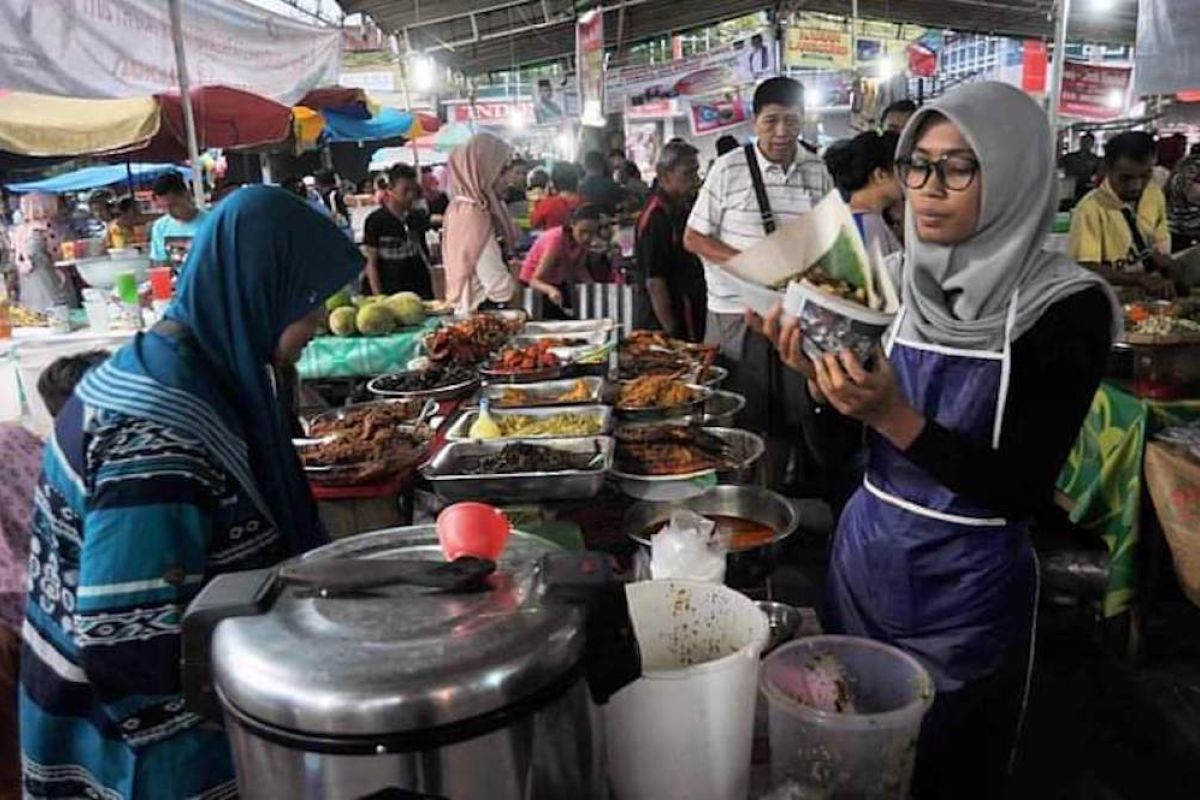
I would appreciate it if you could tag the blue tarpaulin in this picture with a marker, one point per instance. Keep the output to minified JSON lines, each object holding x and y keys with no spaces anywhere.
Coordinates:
{"x":389,"y":123}
{"x":96,"y":177}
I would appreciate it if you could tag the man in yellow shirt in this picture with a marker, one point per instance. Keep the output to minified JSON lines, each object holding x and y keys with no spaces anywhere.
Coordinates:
{"x":1120,"y":228}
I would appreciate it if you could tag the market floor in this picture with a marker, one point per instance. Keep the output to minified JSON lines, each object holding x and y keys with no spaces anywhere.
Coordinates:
{"x":1097,"y":727}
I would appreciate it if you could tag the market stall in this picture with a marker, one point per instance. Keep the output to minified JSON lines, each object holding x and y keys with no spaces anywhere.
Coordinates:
{"x":1154,"y":384}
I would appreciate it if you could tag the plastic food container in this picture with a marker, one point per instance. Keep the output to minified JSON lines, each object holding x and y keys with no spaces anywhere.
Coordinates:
{"x":684,"y":729}
{"x":831,"y":324}
{"x":867,"y":755}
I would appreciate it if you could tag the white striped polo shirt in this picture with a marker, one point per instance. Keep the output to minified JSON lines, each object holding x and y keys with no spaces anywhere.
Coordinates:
{"x":727,"y":209}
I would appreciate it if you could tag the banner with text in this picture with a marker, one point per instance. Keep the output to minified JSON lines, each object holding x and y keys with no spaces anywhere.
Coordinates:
{"x":728,"y":66}
{"x":717,"y":113}
{"x":123,"y":48}
{"x":1094,"y":91}
{"x":589,"y":58}
{"x":821,"y":41}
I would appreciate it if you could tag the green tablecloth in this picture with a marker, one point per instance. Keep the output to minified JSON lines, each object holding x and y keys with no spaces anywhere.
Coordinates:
{"x":1103,"y":478}
{"x":361,"y":356}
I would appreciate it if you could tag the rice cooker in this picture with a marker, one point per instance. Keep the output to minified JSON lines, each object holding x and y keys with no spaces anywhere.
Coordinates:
{"x":371,"y":668}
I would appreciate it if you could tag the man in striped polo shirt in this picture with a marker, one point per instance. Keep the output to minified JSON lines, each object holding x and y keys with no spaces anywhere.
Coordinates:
{"x":729,"y":218}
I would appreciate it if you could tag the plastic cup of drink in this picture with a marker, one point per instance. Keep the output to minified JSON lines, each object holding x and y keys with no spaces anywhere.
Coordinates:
{"x":126,"y":287}
{"x":160,"y":282}
{"x":97,"y":315}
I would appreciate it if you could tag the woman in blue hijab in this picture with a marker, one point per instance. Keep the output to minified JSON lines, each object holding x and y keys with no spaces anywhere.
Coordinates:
{"x":171,"y":464}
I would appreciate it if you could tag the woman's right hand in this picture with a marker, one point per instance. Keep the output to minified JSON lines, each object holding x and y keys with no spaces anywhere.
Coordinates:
{"x":784,"y":333}
{"x":554,"y":296}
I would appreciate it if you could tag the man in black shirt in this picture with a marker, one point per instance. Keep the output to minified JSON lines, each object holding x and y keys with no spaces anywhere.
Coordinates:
{"x":1081,"y":165}
{"x":674,"y":277}
{"x":394,"y":240}
{"x":598,"y":188}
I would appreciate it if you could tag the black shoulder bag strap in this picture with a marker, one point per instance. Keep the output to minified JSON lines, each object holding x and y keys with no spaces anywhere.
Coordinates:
{"x":1141,"y":252}
{"x":760,"y":191}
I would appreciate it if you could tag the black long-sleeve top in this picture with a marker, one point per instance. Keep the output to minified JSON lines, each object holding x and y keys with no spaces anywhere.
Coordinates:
{"x":1056,"y":368}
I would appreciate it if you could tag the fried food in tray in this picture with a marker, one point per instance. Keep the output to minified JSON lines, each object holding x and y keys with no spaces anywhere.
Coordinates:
{"x":655,"y":391}
{"x":436,"y":377}
{"x":515,"y":397}
{"x":470,"y":341}
{"x":366,"y":422}
{"x":363,"y":446}
{"x":669,"y":450}
{"x":530,"y":358}
{"x":653,"y":352}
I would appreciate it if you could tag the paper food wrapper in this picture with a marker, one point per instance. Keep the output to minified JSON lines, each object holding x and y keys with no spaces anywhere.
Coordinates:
{"x":826,"y":238}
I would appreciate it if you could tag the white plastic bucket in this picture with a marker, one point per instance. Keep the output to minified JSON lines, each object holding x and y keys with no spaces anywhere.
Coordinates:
{"x":683,"y":730}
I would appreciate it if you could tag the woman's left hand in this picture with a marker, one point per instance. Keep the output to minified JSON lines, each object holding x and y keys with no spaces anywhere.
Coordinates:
{"x":872,"y":397}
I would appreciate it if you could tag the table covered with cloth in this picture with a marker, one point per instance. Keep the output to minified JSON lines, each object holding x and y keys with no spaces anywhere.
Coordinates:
{"x":1173,"y":477}
{"x":328,"y":357}
{"x":1104,"y":476}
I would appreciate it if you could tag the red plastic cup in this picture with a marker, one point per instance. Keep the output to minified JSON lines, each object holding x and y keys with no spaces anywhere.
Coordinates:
{"x":473,"y":529}
{"x":160,"y":282}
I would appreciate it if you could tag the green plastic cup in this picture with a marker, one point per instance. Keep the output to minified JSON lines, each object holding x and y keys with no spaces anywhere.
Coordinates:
{"x":126,"y":285}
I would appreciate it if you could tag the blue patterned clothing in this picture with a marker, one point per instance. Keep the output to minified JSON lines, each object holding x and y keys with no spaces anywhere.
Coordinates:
{"x":132,"y":518}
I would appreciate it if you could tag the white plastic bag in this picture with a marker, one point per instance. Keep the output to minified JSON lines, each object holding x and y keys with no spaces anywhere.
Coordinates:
{"x":688,"y":548}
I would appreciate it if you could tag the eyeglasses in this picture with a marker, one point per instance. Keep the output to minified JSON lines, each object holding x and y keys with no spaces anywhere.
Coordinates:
{"x":955,"y":172}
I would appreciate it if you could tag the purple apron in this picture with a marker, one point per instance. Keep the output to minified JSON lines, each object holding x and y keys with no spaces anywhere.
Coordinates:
{"x":918,"y":566}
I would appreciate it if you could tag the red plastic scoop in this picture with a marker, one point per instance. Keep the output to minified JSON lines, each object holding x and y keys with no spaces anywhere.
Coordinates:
{"x":473,"y":529}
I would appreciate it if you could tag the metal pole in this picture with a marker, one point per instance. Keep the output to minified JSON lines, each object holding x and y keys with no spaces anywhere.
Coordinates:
{"x":185,"y":95}
{"x":1060,"y":60}
{"x":854,"y":37}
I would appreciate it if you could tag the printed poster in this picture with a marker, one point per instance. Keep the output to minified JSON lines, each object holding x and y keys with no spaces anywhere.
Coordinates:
{"x":1094,"y":91}
{"x":718,"y":112}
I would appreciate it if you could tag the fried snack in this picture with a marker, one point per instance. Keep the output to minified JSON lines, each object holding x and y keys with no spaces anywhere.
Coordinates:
{"x":524,"y":359}
{"x":470,"y":341}
{"x":363,"y":423}
{"x":655,"y":391}
{"x":514,"y":396}
{"x":669,"y":450}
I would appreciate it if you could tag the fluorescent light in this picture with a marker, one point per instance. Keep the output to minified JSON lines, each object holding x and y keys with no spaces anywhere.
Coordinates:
{"x":566,"y":146}
{"x":1103,"y":5}
{"x":886,"y":69}
{"x":814,"y":97}
{"x":516,"y":120}
{"x":423,"y":72}
{"x":1115,"y":99}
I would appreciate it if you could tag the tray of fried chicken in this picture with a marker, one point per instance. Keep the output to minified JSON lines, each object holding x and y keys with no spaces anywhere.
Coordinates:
{"x":654,"y":397}
{"x":679,"y":452}
{"x":655,"y":353}
{"x":364,"y":443}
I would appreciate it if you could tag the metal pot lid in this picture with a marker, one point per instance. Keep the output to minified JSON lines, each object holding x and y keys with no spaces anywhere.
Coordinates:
{"x":402,"y":658}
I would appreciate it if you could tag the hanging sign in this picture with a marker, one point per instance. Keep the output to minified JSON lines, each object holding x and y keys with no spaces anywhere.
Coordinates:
{"x":1094,"y":91}
{"x":817,"y":48}
{"x":123,"y":48}
{"x":712,"y":114}
{"x":589,"y":56}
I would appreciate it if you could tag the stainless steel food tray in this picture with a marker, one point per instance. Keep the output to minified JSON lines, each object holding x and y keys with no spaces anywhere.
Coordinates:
{"x":458,"y":431}
{"x":548,"y":390}
{"x":518,"y":486}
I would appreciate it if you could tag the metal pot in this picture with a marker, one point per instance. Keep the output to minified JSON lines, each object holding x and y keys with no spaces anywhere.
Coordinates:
{"x":399,"y":689}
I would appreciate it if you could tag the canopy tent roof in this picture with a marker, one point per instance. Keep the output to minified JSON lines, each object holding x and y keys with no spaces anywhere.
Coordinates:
{"x":95,"y":177}
{"x":42,"y":125}
{"x":479,"y":36}
{"x":388,"y":123}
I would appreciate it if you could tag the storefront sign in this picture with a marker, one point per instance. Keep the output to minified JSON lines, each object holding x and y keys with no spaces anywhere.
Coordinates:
{"x":589,"y":58}
{"x":654,"y":109}
{"x":817,"y":48}
{"x":123,"y":48}
{"x":729,"y":66}
{"x":712,"y":114}
{"x":489,"y":112}
{"x":1093,"y":91}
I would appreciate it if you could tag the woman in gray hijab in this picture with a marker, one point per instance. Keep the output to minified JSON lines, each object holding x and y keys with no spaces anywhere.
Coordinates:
{"x":991,"y":366}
